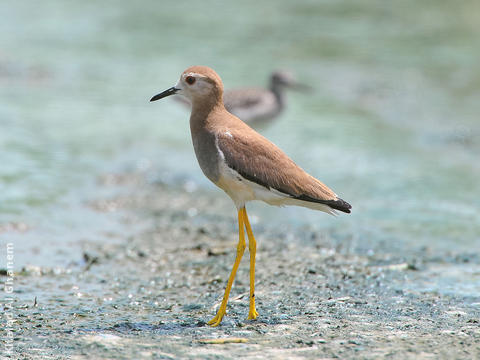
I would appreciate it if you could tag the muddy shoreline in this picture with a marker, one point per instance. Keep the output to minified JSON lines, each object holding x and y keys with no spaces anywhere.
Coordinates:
{"x":150,"y":294}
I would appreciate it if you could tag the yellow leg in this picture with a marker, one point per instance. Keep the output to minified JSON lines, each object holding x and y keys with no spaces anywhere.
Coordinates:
{"x":252,"y":247}
{"x":240,"y":250}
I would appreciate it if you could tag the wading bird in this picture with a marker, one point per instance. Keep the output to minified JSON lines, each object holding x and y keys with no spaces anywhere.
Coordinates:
{"x":245,"y":165}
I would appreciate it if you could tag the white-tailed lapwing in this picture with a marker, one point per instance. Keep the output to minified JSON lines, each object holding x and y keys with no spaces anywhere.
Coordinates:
{"x":245,"y":165}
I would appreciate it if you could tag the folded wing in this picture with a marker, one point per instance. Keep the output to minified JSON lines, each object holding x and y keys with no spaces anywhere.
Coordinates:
{"x":260,"y":161}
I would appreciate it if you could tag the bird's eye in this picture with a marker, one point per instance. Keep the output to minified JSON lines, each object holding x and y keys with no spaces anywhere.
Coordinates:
{"x":190,"y":80}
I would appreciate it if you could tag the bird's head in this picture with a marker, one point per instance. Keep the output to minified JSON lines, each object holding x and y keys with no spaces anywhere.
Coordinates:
{"x":197,"y":84}
{"x":285,"y":79}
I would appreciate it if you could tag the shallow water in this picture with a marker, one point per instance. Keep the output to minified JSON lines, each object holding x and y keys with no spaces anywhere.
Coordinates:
{"x":392,"y":125}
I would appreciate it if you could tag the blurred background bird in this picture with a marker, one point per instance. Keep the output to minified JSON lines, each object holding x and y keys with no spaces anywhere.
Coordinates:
{"x":259,"y":106}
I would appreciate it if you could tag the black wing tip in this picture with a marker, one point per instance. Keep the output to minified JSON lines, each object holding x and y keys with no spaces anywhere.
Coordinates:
{"x":338,"y":204}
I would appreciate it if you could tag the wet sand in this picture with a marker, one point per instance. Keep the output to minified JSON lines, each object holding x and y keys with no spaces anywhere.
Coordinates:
{"x":150,"y":294}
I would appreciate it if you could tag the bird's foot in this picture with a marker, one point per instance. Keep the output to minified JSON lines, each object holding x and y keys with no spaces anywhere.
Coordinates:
{"x":218,"y":318}
{"x":252,"y":313}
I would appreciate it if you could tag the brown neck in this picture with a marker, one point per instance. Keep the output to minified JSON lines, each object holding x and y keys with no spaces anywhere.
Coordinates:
{"x":202,"y":108}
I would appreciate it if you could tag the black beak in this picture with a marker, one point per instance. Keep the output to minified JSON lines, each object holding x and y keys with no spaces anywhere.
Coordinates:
{"x":165,"y":93}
